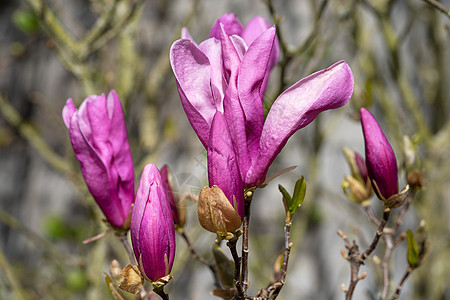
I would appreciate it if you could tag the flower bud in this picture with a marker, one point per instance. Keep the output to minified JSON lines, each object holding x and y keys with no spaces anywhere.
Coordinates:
{"x":100,"y":142}
{"x":152,"y":228}
{"x":215,"y":213}
{"x":355,"y":190}
{"x":177,"y":207}
{"x":357,"y":186}
{"x":414,"y":174}
{"x":380,"y":158}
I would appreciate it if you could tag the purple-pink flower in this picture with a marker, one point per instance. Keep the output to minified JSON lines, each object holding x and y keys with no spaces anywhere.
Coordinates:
{"x":221,"y":84}
{"x":380,"y":158}
{"x":152,"y":229}
{"x":99,"y":138}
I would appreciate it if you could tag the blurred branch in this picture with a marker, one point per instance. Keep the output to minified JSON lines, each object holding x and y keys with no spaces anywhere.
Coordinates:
{"x":53,"y":252}
{"x":33,"y":137}
{"x":439,"y":7}
{"x":402,"y":282}
{"x":14,"y":283}
{"x":289,"y":53}
{"x":405,"y":88}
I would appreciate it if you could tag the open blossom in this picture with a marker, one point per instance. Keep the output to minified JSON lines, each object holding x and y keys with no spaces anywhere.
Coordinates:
{"x":225,"y":76}
{"x":380,"y":158}
{"x":99,"y":138}
{"x":152,"y":228}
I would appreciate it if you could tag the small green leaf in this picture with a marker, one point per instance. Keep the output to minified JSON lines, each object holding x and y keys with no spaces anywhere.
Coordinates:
{"x":285,"y":193}
{"x":413,"y":252}
{"x":298,"y":197}
{"x":225,"y":268}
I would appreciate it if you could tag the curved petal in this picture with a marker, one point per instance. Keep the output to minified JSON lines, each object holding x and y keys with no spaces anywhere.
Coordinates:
{"x":68,"y":110}
{"x":185,"y":34}
{"x":122,"y":160}
{"x":235,"y":119}
{"x":252,"y":72}
{"x":223,"y":169}
{"x":380,"y":158}
{"x":95,"y":174}
{"x":297,"y":107}
{"x":213,"y":50}
{"x":192,"y":70}
{"x":252,"y":30}
{"x":231,"y":24}
{"x":230,"y":56}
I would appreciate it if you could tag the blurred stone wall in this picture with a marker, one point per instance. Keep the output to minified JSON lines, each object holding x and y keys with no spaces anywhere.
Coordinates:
{"x":50,"y":206}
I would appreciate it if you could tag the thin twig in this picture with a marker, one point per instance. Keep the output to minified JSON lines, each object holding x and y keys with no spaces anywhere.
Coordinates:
{"x":198,"y":257}
{"x":123,"y":237}
{"x":356,"y":258}
{"x":30,"y":134}
{"x":161,"y":293}
{"x":439,"y":7}
{"x":237,"y":267}
{"x":402,"y":282}
{"x":373,"y":245}
{"x":385,"y":265}
{"x":369,"y":212}
{"x":287,"y":250}
{"x":14,"y":282}
{"x":245,"y":249}
{"x":62,"y":257}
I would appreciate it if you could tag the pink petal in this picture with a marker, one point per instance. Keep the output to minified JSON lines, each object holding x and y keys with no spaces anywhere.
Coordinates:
{"x":122,"y":160}
{"x":192,"y":70}
{"x":223,"y":169}
{"x":298,"y":106}
{"x":252,"y":72}
{"x":68,"y":110}
{"x":96,"y":175}
{"x":231,"y":24}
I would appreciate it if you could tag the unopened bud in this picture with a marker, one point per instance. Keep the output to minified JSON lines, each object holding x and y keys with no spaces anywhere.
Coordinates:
{"x":215,"y":213}
{"x":355,"y":190}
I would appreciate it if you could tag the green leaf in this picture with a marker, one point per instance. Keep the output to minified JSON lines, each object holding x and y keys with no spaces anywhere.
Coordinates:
{"x":413,"y":252}
{"x":285,"y":193}
{"x":298,"y":197}
{"x":225,"y":267}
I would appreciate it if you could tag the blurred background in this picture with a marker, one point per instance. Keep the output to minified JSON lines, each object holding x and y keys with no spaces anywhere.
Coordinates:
{"x":399,"y":52}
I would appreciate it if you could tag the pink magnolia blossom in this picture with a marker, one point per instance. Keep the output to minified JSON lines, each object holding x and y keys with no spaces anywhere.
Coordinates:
{"x":152,"y":228}
{"x":380,"y":158}
{"x":100,"y":141}
{"x":220,"y":84}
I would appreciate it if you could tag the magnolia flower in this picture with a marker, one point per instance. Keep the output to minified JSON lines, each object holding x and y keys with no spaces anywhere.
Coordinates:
{"x":99,"y":138}
{"x":252,"y":30}
{"x":380,"y":158}
{"x":225,"y":76}
{"x":152,"y":229}
{"x":223,"y":168}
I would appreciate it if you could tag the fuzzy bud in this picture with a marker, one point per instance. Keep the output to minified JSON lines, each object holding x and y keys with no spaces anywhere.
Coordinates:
{"x":215,"y":213}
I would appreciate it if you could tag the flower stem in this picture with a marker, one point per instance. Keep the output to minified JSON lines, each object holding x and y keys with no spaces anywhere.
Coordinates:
{"x":197,"y":256}
{"x":123,"y":237}
{"x":402,"y":282}
{"x":161,"y":293}
{"x":245,"y":249}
